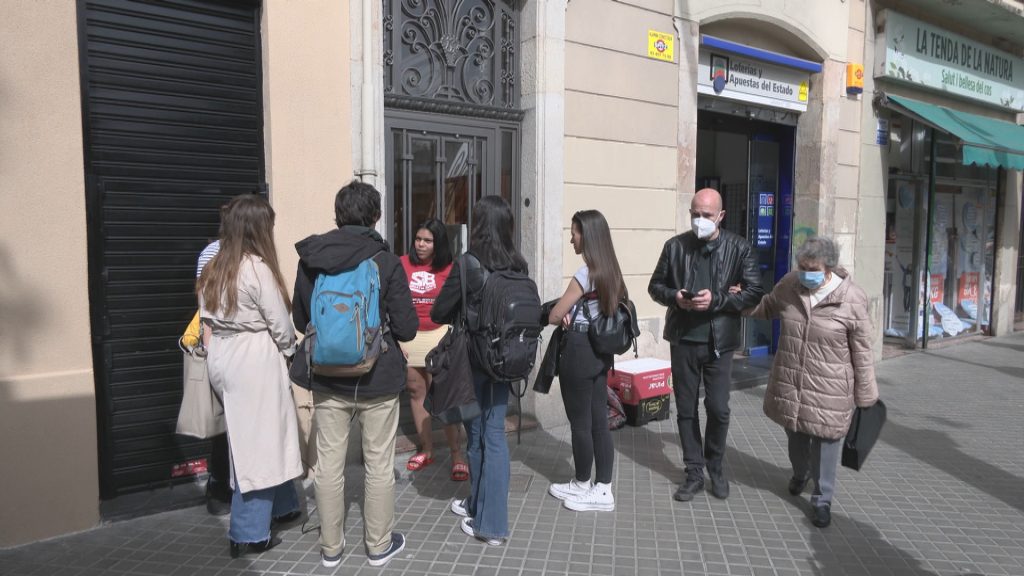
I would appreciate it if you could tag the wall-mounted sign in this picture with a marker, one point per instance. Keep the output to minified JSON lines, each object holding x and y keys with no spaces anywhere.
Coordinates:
{"x":854,"y":78}
{"x":765,"y":219}
{"x":729,"y":75}
{"x":882,"y":132}
{"x":659,"y":45}
{"x":922,"y":54}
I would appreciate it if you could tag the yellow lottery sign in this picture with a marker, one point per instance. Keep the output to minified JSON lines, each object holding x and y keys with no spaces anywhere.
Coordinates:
{"x":659,"y":45}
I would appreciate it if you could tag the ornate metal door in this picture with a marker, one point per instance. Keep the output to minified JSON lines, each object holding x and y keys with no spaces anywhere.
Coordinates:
{"x":439,"y":169}
{"x":452,"y":56}
{"x":451,"y":110}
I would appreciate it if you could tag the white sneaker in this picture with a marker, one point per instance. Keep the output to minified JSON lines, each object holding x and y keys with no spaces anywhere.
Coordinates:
{"x":597,"y":499}
{"x":467,"y":527}
{"x":569,"y":489}
{"x":329,"y":561}
{"x":459,"y":508}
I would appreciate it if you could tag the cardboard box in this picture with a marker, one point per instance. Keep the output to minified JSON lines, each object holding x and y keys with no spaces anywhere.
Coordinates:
{"x":636,"y":380}
{"x":648,"y":409}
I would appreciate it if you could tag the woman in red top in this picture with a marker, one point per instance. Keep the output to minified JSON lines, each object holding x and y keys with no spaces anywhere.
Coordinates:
{"x":427,"y":266}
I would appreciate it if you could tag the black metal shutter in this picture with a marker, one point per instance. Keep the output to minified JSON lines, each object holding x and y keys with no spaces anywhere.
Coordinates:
{"x":173,"y":127}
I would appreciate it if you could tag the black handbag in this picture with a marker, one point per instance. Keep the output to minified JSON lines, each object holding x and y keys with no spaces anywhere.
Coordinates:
{"x":452,"y":396}
{"x":863,"y":433}
{"x":615,"y":334}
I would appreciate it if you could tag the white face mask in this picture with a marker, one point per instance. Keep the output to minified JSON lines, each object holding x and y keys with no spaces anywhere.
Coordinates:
{"x":704,"y":228}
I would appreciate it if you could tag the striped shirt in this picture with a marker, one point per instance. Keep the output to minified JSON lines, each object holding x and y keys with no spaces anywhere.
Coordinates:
{"x":206,"y":255}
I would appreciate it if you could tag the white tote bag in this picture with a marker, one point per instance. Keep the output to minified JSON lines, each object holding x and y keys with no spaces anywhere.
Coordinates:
{"x":201,"y":414}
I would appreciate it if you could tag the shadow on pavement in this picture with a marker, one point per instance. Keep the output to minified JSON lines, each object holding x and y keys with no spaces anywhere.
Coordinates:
{"x":833,"y":548}
{"x":1017,"y":345}
{"x":548,"y":456}
{"x":647,"y":448}
{"x":1015,"y":372}
{"x":941,"y":451}
{"x":545,"y":458}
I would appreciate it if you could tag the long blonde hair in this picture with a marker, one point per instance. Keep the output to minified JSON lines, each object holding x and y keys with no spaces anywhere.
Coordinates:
{"x":246,"y":227}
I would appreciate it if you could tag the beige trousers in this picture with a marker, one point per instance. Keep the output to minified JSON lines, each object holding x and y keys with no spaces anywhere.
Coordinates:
{"x":378,"y":419}
{"x":307,"y":441}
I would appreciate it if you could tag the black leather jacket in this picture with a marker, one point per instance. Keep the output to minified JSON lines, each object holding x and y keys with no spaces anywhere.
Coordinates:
{"x":733,"y":263}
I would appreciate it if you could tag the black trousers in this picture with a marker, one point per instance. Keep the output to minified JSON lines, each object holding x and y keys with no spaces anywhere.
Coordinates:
{"x":583,"y":378}
{"x":692,"y":364}
{"x":219,"y":467}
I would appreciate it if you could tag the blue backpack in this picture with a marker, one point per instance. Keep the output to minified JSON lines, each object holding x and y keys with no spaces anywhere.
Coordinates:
{"x":345,"y":333}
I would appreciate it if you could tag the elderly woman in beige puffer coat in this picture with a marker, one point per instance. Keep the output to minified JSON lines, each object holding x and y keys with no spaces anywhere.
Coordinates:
{"x":823,"y":367}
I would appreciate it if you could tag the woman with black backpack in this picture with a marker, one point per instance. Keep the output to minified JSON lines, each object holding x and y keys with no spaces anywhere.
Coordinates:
{"x":595,"y":290}
{"x":492,"y":249}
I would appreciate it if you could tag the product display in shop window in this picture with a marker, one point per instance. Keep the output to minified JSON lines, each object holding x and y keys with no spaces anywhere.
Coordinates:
{"x":960,"y":274}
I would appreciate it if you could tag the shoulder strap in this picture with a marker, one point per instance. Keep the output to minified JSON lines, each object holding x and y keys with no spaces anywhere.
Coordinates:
{"x":385,"y":318}
{"x":473,"y":261}
{"x":462,"y":286}
{"x":580,"y":304}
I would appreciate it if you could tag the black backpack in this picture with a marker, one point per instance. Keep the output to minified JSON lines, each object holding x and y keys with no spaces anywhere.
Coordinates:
{"x":504,"y":331}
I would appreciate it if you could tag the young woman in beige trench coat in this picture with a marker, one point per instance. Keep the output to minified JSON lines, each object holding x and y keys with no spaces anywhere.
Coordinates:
{"x":245,"y":306}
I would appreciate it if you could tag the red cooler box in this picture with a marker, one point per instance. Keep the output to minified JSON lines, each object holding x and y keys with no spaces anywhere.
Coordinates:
{"x":645,"y":386}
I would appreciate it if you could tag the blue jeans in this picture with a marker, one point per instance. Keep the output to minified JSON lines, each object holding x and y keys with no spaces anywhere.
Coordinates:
{"x":251,"y":512}
{"x":489,"y":467}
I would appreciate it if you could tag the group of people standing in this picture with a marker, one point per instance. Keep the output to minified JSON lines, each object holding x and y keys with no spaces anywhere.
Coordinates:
{"x":707,"y":278}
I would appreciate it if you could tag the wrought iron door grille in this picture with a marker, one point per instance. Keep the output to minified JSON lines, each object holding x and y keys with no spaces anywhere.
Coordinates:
{"x":452,"y":56}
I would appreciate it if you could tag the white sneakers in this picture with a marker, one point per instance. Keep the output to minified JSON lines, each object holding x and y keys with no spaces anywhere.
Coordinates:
{"x":467,"y":527}
{"x":569,"y":489}
{"x":458,"y":507}
{"x":584,"y":497}
{"x":598,"y":499}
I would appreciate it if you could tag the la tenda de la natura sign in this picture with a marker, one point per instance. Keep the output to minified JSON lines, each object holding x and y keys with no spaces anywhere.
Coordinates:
{"x":923,"y":54}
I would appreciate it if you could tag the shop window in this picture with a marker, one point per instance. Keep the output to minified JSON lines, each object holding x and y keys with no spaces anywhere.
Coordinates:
{"x":953,"y":245}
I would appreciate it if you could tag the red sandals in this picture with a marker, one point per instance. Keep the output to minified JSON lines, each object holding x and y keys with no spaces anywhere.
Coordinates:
{"x":460,"y":472}
{"x":419,"y":462}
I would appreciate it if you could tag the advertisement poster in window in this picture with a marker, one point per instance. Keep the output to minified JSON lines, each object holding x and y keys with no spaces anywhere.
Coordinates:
{"x":970,"y":212}
{"x":765,"y":220}
{"x":900,"y":256}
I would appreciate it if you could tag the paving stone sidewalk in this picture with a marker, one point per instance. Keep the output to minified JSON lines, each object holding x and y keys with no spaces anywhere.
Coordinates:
{"x":942,"y":494}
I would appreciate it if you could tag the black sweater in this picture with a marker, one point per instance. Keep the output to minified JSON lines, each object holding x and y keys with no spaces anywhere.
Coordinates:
{"x":448,"y":304}
{"x":339,"y":250}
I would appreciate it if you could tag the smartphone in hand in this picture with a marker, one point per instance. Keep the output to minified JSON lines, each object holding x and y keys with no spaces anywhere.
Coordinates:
{"x":687,"y":294}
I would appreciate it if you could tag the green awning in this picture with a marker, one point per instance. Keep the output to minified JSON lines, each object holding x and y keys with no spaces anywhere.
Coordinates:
{"x":983,"y":140}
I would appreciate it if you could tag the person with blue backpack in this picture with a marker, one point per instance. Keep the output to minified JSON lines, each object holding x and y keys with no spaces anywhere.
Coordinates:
{"x":353,"y":305}
{"x":494,"y":291}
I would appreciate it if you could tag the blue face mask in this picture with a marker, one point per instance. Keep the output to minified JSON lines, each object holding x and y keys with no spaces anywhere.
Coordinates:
{"x":812,"y":280}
